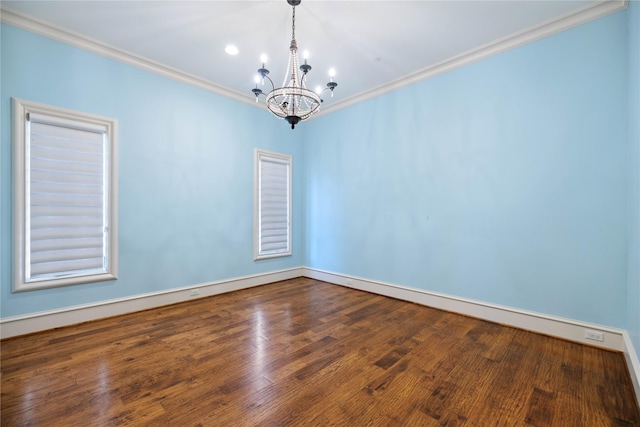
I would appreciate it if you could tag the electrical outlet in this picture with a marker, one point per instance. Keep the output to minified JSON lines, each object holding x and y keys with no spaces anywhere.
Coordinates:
{"x":195,"y":292}
{"x":593,"y":335}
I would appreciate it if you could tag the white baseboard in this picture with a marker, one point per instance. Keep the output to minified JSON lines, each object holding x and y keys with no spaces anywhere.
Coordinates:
{"x":572,"y":330}
{"x":568,"y":329}
{"x":35,"y":322}
{"x":633,"y":363}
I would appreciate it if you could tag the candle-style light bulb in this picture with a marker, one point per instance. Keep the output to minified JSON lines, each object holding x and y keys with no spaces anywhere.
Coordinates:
{"x":305,"y":55}
{"x":263,"y":58}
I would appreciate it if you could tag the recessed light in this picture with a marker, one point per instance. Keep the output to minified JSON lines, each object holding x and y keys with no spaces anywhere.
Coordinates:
{"x":231,"y":50}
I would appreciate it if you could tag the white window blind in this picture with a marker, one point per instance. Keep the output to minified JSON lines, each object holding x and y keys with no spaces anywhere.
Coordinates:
{"x":66,"y":200}
{"x":273,"y":205}
{"x":66,"y":209}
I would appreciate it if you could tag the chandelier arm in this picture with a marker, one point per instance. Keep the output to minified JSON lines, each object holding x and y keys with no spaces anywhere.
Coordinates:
{"x":270,"y":81}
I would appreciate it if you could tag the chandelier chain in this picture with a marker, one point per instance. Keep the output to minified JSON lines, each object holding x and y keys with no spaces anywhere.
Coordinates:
{"x":293,"y":24}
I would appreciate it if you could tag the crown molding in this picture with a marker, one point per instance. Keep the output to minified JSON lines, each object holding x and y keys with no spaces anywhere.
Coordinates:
{"x":94,"y":46}
{"x":581,"y":16}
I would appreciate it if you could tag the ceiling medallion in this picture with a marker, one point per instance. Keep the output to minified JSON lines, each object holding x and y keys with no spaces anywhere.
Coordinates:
{"x":293,"y":101}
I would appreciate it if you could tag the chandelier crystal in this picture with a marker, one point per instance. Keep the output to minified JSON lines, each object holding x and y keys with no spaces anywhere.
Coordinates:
{"x":293,"y":101}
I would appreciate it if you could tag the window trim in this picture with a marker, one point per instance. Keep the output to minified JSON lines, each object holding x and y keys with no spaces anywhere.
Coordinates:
{"x":259,"y":155}
{"x":21,"y":109}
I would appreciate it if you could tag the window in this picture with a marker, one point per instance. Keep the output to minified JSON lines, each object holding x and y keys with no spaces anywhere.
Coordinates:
{"x":272,"y":206}
{"x":65,"y":188}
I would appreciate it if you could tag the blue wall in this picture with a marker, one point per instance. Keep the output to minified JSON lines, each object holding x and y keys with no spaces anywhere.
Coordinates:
{"x":186,"y":171}
{"x":502,"y":181}
{"x":633,"y":278}
{"x":505,"y":181}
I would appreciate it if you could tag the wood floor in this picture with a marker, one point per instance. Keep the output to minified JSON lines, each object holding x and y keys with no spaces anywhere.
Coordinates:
{"x":308,"y":353}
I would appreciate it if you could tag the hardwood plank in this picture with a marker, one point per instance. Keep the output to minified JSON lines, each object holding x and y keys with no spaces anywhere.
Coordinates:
{"x":306,"y":353}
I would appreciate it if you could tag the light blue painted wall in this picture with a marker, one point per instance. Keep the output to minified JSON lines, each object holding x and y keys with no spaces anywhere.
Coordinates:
{"x":633,"y":278}
{"x":186,"y":171}
{"x":503,"y":181}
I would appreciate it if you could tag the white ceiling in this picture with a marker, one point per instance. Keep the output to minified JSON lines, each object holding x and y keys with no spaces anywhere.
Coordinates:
{"x":370,"y":43}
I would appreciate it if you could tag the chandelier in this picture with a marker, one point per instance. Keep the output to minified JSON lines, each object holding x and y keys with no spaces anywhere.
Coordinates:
{"x":293,"y":101}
